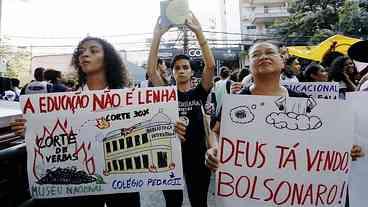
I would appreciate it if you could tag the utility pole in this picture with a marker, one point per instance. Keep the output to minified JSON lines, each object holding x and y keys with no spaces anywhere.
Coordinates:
{"x":186,"y":40}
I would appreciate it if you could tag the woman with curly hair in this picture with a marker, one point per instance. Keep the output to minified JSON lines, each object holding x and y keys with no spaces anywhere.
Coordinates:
{"x":343,"y":71}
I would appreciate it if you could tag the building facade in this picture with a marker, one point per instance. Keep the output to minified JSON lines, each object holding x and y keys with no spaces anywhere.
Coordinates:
{"x":257,"y":16}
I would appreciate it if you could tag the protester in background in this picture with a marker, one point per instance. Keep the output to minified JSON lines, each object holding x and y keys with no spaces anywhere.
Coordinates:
{"x":222,"y":86}
{"x":291,"y":71}
{"x":343,"y":71}
{"x":39,"y":85}
{"x":8,"y":93}
{"x":55,"y":78}
{"x":191,"y":101}
{"x":358,"y":52}
{"x":315,"y":73}
{"x":70,"y":84}
{"x":15,"y":83}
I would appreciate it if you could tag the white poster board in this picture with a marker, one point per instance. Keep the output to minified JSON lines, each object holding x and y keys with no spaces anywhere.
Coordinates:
{"x":325,"y":90}
{"x":359,"y":173}
{"x":279,"y":151}
{"x":102,"y":142}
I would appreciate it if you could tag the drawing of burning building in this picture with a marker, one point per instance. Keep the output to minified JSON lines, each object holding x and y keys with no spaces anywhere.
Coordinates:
{"x":144,"y":147}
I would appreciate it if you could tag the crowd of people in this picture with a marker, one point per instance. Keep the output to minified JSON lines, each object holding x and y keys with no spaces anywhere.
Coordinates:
{"x":100,"y":67}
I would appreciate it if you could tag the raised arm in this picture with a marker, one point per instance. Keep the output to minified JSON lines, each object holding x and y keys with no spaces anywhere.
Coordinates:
{"x":208,"y":72}
{"x":153,"y":73}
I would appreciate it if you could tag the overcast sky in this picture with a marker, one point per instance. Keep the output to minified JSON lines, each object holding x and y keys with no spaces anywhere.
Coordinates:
{"x":70,"y":18}
{"x":74,"y":19}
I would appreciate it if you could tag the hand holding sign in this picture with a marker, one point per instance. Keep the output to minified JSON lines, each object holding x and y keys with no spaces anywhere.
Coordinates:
{"x":193,"y":23}
{"x":161,"y":28}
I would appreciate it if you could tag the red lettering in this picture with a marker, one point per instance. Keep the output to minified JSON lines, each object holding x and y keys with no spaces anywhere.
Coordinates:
{"x":238,"y":152}
{"x":320,"y":192}
{"x":149,"y":96}
{"x":28,"y":106}
{"x":237,"y":187}
{"x":129,"y":97}
{"x":277,"y":193}
{"x":230,"y":145}
{"x":252,"y":196}
{"x":42,"y":105}
{"x":268,"y":188}
{"x":311,"y":163}
{"x":331,"y":198}
{"x":172,"y":95}
{"x":222,"y":184}
{"x":156,"y":96}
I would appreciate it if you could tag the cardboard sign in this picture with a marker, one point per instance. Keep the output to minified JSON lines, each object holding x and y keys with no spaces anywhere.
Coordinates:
{"x":358,"y":178}
{"x":174,"y":12}
{"x":325,"y":90}
{"x":102,"y":142}
{"x":280,"y":151}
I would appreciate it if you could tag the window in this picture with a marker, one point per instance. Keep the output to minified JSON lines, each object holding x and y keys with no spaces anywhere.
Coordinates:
{"x":114,"y":146}
{"x":137,"y":162}
{"x":252,"y":27}
{"x":121,"y":143}
{"x":266,"y":9}
{"x":129,"y":142}
{"x":115,"y":165}
{"x":162,"y":159}
{"x":109,"y":166}
{"x":129,"y":163}
{"x":144,"y":138}
{"x":137,"y":140}
{"x":145,"y":161}
{"x":121,"y":165}
{"x":108,"y":147}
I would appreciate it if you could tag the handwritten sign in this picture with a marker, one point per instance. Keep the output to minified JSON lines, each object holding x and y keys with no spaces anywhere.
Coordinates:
{"x":325,"y":90}
{"x":102,"y":142}
{"x":358,"y":178}
{"x":278,"y":151}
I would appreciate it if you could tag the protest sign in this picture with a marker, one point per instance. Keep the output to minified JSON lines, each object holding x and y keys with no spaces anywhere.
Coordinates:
{"x":280,"y":151}
{"x":325,"y":90}
{"x":358,"y":177}
{"x":102,"y":142}
{"x":174,"y":12}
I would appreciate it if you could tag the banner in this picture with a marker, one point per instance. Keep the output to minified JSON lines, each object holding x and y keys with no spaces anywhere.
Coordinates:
{"x":358,"y":178}
{"x":280,"y":151}
{"x":325,"y":90}
{"x":102,"y":142}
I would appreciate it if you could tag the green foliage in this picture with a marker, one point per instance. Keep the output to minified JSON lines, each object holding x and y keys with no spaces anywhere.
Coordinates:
{"x":315,"y":20}
{"x":18,"y":62}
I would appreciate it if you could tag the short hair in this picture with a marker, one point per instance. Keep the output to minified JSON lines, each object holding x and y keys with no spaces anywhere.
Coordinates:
{"x":52,"y":75}
{"x":216,"y":79}
{"x":15,"y":82}
{"x":160,"y":61}
{"x":290,"y":60}
{"x":312,"y":68}
{"x":179,"y":57}
{"x":224,"y":72}
{"x":38,"y":74}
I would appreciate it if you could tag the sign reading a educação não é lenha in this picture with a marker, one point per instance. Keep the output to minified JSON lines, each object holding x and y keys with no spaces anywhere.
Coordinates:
{"x":102,"y":142}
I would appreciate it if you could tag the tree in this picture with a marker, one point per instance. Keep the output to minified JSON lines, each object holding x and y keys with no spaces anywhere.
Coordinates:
{"x":18,"y":62}
{"x":314,"y":21}
{"x":353,"y":19}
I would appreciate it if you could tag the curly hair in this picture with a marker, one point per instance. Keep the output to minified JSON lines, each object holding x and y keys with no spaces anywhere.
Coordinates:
{"x":115,"y":69}
{"x":336,"y":71}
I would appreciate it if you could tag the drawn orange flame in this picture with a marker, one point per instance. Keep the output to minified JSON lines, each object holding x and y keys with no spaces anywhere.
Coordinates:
{"x":102,"y":123}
